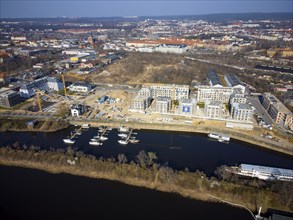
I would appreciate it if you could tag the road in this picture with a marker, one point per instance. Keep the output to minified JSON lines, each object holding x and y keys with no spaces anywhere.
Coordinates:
{"x":259,"y":109}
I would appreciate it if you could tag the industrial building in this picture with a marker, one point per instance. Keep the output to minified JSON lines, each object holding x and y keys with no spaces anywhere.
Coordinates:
{"x":9,"y":98}
{"x":213,"y":109}
{"x":214,"y":79}
{"x":242,"y":112}
{"x":214,"y":93}
{"x":233,"y":81}
{"x":187,"y":107}
{"x":171,"y":48}
{"x":27,"y":90}
{"x":163,"y":104}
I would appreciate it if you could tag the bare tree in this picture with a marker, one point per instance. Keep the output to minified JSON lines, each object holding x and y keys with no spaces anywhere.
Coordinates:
{"x":121,"y":158}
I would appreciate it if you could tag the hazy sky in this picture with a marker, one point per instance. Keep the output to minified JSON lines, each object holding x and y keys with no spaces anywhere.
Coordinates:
{"x":98,"y":8}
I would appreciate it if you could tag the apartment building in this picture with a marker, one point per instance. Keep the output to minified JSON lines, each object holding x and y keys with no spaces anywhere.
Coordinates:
{"x":80,"y":87}
{"x":277,"y":110}
{"x":214,"y":93}
{"x":242,"y":112}
{"x":139,"y":104}
{"x":213,"y":109}
{"x":54,"y":84}
{"x":176,"y":92}
{"x":163,"y":104}
{"x":187,"y":107}
{"x":27,"y":90}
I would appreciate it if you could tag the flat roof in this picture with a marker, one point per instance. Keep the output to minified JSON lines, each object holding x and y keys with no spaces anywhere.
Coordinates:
{"x":269,"y":170}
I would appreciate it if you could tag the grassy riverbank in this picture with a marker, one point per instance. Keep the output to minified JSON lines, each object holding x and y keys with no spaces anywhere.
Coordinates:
{"x":44,"y":125}
{"x":146,"y":173}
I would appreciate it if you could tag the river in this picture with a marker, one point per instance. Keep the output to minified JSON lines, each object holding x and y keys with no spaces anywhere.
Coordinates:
{"x":33,"y":194}
{"x":178,"y":150}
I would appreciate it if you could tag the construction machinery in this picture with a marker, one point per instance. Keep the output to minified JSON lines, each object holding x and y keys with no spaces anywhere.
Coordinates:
{"x":64,"y":86}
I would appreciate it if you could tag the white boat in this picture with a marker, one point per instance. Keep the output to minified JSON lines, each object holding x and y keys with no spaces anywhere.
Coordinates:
{"x":133,"y":141}
{"x":123,"y":129}
{"x":124,"y":142}
{"x":96,"y":143}
{"x":122,"y":135}
{"x":69,"y":141}
{"x":219,"y":137}
{"x":94,"y":139}
{"x":96,"y":136}
{"x":102,"y":138}
{"x":85,"y":126}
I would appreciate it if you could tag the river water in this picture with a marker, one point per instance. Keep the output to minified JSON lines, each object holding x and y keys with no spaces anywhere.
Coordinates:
{"x":178,"y":150}
{"x":33,"y":194}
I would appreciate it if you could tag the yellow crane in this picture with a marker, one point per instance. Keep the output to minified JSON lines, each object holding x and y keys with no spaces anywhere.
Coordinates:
{"x":64,"y":86}
{"x":173,"y":98}
{"x":39,"y":101}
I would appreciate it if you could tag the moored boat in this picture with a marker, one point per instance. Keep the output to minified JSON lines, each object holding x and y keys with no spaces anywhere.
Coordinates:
{"x":219,"y":137}
{"x":69,"y":141}
{"x":124,"y":142}
{"x":96,"y":143}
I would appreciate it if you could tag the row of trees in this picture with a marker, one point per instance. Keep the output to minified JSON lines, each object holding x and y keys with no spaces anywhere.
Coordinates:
{"x":145,"y":171}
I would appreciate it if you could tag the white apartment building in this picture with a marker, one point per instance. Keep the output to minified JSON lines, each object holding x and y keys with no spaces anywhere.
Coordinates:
{"x":176,"y":92}
{"x":80,"y":87}
{"x":54,"y":84}
{"x":242,"y":112}
{"x":213,"y":109}
{"x":214,"y":93}
{"x":238,"y":97}
{"x":187,"y":107}
{"x":139,"y":104}
{"x":163,"y":104}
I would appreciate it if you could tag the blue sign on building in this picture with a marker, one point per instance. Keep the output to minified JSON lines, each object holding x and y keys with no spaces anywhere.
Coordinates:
{"x":185,"y":108}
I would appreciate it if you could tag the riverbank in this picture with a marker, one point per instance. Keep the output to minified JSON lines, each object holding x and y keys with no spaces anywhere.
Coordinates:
{"x":251,"y":137}
{"x":42,"y":125}
{"x":188,"y":184}
{"x":202,"y":127}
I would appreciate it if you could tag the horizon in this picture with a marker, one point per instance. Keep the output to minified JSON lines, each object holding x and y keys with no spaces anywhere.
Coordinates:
{"x":120,"y":8}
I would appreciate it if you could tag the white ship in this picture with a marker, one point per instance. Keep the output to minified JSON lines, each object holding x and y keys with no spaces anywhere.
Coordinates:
{"x":96,"y":143}
{"x":133,"y":141}
{"x":69,"y":141}
{"x":124,"y":142}
{"x":123,"y":129}
{"x":263,"y":172}
{"x":123,"y":135}
{"x":85,"y":126}
{"x":219,"y":137}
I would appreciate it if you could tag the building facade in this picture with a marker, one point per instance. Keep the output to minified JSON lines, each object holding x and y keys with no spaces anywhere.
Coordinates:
{"x":213,"y":109}
{"x":139,"y":104}
{"x":242,"y":112}
{"x":163,"y":104}
{"x":214,"y":93}
{"x":54,"y":84}
{"x":77,"y":110}
{"x":277,"y":110}
{"x":27,"y":90}
{"x":175,"y":92}
{"x":9,"y":98}
{"x":80,"y":87}
{"x":187,"y":107}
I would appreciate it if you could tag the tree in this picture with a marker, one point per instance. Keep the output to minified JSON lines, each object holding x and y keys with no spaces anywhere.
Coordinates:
{"x":142,"y":158}
{"x":122,"y":158}
{"x":151,"y":157}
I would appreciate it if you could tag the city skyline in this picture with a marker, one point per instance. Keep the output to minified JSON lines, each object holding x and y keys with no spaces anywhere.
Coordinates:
{"x":44,"y":8}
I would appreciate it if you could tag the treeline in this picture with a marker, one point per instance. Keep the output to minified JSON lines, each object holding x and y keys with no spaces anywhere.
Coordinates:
{"x":145,"y":171}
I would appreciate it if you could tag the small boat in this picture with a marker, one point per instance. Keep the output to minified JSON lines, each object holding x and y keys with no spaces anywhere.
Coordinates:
{"x":102,"y":138}
{"x":219,"y":137}
{"x":123,"y":129}
{"x":96,"y":136}
{"x":124,"y":142}
{"x":86,"y":126}
{"x":94,"y":139}
{"x":109,"y":129}
{"x":96,"y":143}
{"x":69,"y":141}
{"x":123,"y":135}
{"x":133,"y":141}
